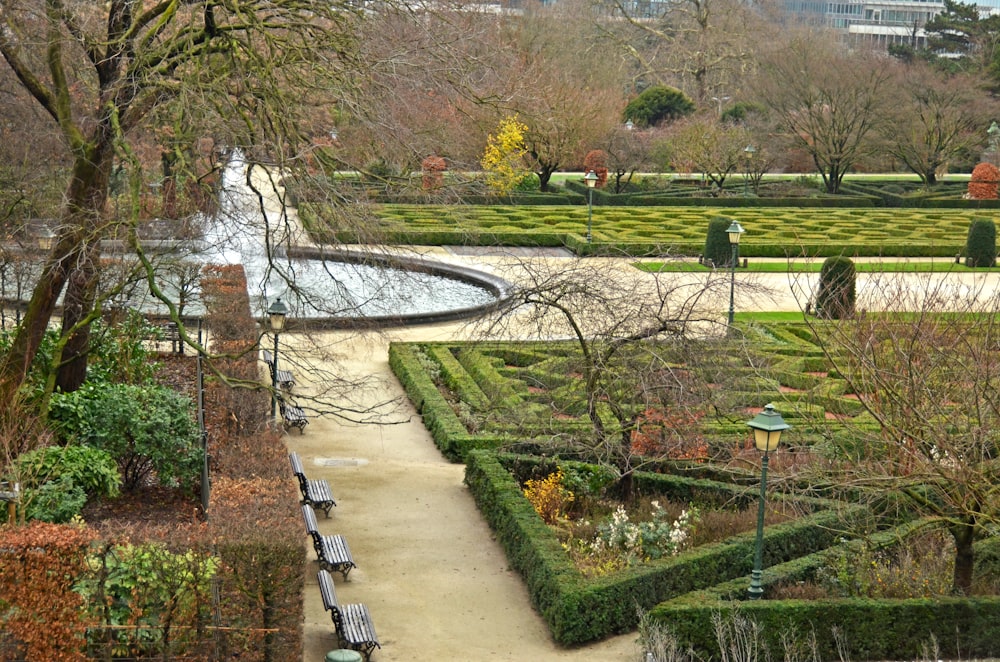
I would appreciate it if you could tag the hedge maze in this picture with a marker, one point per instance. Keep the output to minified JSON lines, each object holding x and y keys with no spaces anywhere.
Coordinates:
{"x":640,"y":231}
{"x":502,"y":407}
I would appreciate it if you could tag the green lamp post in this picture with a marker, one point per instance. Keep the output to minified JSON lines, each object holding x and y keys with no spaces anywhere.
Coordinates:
{"x":591,"y":179}
{"x":767,"y":428}
{"x":277,"y":312}
{"x":734,"y":232}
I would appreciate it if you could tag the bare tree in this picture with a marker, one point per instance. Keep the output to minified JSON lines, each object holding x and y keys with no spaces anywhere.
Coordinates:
{"x":704,"y":47}
{"x":707,"y":146}
{"x":925,"y":368}
{"x":98,"y":72}
{"x":934,"y":120}
{"x":629,"y":150}
{"x":826,"y":101}
{"x":646,"y":343}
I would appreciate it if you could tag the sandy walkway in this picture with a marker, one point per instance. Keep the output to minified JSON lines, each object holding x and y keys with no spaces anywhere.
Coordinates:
{"x":436,"y":582}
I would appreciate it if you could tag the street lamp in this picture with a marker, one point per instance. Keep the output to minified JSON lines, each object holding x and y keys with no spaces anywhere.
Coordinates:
{"x":591,"y":179}
{"x":46,"y":238}
{"x":734,"y":232}
{"x":748,"y":153}
{"x":767,"y":428}
{"x":277,"y":312}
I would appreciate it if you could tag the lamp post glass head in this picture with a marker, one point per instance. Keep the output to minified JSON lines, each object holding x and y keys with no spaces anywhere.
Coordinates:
{"x":591,"y":179}
{"x":277,"y":311}
{"x":46,"y":238}
{"x":767,"y":428}
{"x":734,"y":232}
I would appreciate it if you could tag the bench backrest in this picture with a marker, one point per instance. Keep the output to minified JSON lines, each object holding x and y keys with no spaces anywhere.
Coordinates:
{"x":330,"y":598}
{"x":296,"y":461}
{"x":299,"y":472}
{"x":309,"y":517}
{"x":268,"y":359}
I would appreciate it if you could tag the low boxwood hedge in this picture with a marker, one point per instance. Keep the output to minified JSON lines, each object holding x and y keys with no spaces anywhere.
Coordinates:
{"x":578,"y":609}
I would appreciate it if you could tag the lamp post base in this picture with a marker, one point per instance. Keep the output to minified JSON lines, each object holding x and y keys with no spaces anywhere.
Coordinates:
{"x":755,"y":590}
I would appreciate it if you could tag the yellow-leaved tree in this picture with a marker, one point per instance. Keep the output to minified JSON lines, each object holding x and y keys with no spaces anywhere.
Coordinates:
{"x":503,"y":159}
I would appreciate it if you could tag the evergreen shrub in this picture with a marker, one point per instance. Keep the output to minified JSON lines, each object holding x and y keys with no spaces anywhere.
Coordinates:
{"x":837,"y":288}
{"x":981,"y":244}
{"x":717,"y":246}
{"x":658,"y":103}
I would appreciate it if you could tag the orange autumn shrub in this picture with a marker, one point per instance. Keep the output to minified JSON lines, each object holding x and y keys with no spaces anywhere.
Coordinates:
{"x":671,"y":434}
{"x":597,"y":160}
{"x":984,"y":181}
{"x":39,"y":609}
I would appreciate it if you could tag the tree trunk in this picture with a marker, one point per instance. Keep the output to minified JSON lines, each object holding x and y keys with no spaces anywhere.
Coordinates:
{"x":79,"y":227}
{"x":544,"y":175}
{"x":964,"y":535}
{"x":77,"y":305}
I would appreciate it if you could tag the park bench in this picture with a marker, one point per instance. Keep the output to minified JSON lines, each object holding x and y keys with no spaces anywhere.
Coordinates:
{"x":293,"y":417}
{"x":353,"y":623}
{"x":284,"y":379}
{"x":315,"y":492}
{"x":332,"y":552}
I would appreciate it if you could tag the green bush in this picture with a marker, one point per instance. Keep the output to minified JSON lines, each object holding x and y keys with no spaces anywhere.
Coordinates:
{"x":981,"y":244}
{"x":656,"y":104}
{"x":837,"y":288}
{"x":56,"y":501}
{"x":149,"y":586}
{"x":92,"y":469}
{"x":149,"y":430}
{"x":717,"y":246}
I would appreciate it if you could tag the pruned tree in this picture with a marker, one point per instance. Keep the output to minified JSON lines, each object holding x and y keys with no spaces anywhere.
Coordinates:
{"x":924,"y":368}
{"x":704,"y":145}
{"x":825,"y":101}
{"x":629,"y":151}
{"x":645,"y":345}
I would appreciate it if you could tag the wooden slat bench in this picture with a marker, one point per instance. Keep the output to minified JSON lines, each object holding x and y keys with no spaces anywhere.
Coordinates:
{"x":353,"y":623}
{"x":293,"y":417}
{"x":332,"y":552}
{"x":285,"y":379}
{"x":315,"y":492}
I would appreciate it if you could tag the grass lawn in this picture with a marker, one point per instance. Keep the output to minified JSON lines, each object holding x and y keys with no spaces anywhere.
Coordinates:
{"x":940,"y":265}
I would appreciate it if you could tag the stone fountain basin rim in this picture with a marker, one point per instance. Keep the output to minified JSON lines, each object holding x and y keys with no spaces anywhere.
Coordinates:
{"x":498,"y":287}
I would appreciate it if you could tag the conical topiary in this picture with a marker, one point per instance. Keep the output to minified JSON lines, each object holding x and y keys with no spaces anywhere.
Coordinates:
{"x":717,"y":246}
{"x":981,"y":244}
{"x":837,"y":288}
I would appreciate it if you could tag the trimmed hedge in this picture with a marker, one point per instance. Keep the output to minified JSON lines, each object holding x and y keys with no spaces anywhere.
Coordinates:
{"x":771,"y":232}
{"x":578,"y":609}
{"x":872,"y":629}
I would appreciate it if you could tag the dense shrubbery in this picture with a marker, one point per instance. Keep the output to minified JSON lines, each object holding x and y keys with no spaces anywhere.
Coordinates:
{"x":158,"y":589}
{"x":149,"y":430}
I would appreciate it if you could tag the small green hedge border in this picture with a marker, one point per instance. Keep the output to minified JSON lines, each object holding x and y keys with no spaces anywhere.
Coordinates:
{"x":872,"y":628}
{"x":577,"y":609}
